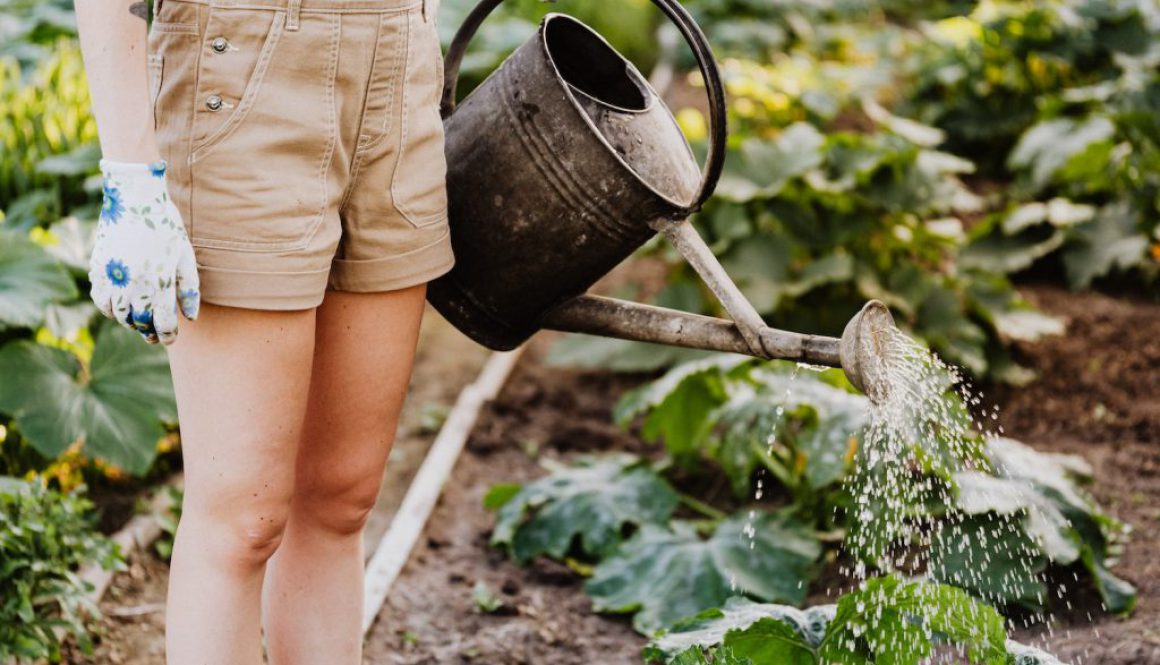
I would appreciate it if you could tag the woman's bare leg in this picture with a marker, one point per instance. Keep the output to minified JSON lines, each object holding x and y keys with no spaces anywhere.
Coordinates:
{"x":241,"y":378}
{"x":364,"y":350}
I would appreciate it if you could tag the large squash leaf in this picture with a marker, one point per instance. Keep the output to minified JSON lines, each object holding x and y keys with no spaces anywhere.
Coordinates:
{"x":1030,"y":512}
{"x":115,"y":405}
{"x":788,"y":635}
{"x":891,"y":621}
{"x":591,"y":501}
{"x":30,"y":280}
{"x":678,"y":405}
{"x":664,"y":574}
{"x":886,"y":621}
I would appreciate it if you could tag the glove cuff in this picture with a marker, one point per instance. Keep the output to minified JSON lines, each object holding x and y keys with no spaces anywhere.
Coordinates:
{"x":128,"y":169}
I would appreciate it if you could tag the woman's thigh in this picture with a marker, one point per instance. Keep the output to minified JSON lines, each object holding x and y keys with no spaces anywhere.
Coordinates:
{"x":241,"y":377}
{"x":364,"y":351}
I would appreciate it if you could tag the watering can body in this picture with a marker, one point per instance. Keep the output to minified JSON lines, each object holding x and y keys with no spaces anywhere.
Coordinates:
{"x":562,"y":163}
{"x":557,"y":161}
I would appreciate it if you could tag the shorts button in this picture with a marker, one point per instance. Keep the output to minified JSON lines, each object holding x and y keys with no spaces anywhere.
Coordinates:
{"x":219,"y":44}
{"x":213,"y":102}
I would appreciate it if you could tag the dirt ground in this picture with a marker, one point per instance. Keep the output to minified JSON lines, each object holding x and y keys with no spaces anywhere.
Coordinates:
{"x":1096,"y":397}
{"x":1099,"y":396}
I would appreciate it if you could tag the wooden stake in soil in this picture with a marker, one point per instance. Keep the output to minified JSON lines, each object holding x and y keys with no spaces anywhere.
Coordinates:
{"x":395,"y":547}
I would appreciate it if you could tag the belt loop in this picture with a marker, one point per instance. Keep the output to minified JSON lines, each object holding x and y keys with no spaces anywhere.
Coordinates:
{"x":157,"y":7}
{"x":423,"y":10}
{"x":292,"y":16}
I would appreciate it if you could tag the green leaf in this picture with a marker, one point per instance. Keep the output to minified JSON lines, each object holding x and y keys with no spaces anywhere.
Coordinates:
{"x":116,"y":409}
{"x":991,"y":556}
{"x":664,"y":574}
{"x":759,"y":169}
{"x":71,"y":241}
{"x":679,"y":403}
{"x":1047,"y":146}
{"x":1021,"y":654}
{"x":780,"y":633}
{"x":1112,"y":241}
{"x":591,"y":501}
{"x":724,"y":656}
{"x":30,"y":279}
{"x":484,"y":598}
{"x":81,"y":161}
{"x":500,"y":494}
{"x":891,"y":621}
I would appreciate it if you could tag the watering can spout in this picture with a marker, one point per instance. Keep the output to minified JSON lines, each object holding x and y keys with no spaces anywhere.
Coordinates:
{"x":859,"y":352}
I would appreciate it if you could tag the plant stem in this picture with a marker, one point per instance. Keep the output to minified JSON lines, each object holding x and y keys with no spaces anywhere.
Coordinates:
{"x":701,"y":507}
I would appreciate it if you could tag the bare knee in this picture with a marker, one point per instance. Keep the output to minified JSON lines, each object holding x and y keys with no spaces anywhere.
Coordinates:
{"x":338,"y":504}
{"x":238,"y":534}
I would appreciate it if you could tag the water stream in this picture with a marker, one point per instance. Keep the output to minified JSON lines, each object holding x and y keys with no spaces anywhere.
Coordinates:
{"x":905,"y":517}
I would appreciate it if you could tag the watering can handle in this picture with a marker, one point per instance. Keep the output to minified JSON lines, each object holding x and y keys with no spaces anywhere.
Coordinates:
{"x":696,"y":40}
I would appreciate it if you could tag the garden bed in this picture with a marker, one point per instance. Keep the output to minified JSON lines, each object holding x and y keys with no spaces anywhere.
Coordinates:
{"x":1095,"y":398}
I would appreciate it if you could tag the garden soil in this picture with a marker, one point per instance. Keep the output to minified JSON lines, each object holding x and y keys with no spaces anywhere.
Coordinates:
{"x":1096,"y":397}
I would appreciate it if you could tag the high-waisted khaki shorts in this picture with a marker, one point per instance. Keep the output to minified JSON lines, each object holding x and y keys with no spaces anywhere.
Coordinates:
{"x":304,"y":143}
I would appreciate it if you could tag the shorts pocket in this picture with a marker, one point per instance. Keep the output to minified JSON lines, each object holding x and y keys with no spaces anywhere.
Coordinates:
{"x":236,"y":50}
{"x":419,"y":183}
{"x":263,"y":184}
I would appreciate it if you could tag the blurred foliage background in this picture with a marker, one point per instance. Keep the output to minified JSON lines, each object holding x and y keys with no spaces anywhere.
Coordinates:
{"x":928,"y":154}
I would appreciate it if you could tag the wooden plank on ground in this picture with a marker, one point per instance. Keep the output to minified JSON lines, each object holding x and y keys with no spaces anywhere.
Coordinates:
{"x":395,"y":547}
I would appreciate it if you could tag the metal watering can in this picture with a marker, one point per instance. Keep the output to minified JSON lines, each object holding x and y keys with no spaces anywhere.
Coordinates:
{"x":561,"y":164}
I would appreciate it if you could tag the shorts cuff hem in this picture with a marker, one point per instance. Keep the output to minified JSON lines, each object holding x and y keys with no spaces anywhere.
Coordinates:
{"x":263,"y":290}
{"x":394,"y":272}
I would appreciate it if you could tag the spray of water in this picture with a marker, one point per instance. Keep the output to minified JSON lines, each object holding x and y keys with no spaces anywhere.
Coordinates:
{"x":927,"y":431}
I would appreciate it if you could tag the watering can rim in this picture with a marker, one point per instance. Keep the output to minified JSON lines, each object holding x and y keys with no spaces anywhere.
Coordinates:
{"x":648,"y":92}
{"x":694,"y":38}
{"x":653,"y":101}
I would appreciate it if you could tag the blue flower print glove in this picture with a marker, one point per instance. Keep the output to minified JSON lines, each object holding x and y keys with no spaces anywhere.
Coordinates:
{"x":142,"y":267}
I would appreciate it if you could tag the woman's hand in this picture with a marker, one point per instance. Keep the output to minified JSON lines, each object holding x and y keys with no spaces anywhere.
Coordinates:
{"x":142,"y":267}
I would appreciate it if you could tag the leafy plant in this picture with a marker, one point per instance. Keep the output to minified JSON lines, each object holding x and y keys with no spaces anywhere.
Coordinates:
{"x":590,"y":503}
{"x":168,"y":520}
{"x":664,"y":573}
{"x":485,"y":599}
{"x":44,"y":538}
{"x":885,"y":620}
{"x":1016,"y":508}
{"x":746,"y":414}
{"x":1028,"y":513}
{"x":114,"y":401}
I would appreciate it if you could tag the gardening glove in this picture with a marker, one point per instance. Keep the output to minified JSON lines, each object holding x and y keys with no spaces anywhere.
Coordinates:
{"x":142,"y":267}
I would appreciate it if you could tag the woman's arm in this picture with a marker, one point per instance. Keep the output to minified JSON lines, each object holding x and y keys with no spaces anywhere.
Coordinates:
{"x":113,"y":43}
{"x":142,"y":268}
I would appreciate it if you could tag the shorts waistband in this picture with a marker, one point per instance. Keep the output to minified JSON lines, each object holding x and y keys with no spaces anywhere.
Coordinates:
{"x":314,"y":6}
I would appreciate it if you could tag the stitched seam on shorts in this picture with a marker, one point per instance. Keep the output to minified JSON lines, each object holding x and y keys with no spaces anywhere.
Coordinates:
{"x":398,"y":257}
{"x":234,"y":271}
{"x":310,"y":10}
{"x":323,"y":167}
{"x":176,"y":28}
{"x":374,"y":141}
{"x":356,"y":159}
{"x":206,"y":145}
{"x":191,"y":110}
{"x":416,"y":220}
